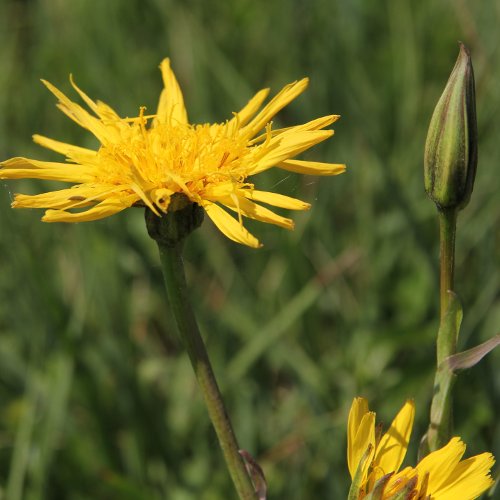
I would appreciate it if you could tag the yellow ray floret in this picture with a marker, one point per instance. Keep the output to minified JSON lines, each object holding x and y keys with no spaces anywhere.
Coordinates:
{"x":144,"y":160}
{"x":441,"y":475}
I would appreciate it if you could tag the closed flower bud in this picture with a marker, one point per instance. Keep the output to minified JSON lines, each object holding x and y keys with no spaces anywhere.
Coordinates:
{"x":451,"y":148}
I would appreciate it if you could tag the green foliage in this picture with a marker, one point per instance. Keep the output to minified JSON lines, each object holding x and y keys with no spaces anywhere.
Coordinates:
{"x":92,"y":403}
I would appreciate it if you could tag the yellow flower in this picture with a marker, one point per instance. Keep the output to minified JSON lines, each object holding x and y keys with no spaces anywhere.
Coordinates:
{"x":146,"y":159}
{"x":374,"y":463}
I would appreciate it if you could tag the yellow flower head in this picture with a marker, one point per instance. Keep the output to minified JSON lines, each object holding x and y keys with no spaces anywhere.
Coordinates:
{"x":374,"y":463}
{"x":146,"y":159}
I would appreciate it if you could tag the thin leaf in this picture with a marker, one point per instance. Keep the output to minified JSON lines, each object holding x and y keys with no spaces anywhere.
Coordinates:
{"x":471,"y":357}
{"x":378,"y":490}
{"x":256,"y":474}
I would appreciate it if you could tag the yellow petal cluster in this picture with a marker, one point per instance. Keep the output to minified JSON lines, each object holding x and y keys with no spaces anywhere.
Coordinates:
{"x":146,"y":159}
{"x":442,"y":475}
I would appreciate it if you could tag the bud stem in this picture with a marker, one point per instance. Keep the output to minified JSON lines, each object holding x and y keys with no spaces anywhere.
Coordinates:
{"x":447,"y":230}
{"x":441,"y":421}
{"x":175,"y":282}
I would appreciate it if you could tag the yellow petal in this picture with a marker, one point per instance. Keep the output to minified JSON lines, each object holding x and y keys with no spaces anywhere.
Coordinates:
{"x":76,"y":196}
{"x":275,"y":199}
{"x":355,"y":449}
{"x":312,"y":167}
{"x":223,"y":190}
{"x":101,"y":109}
{"x":316,"y":124}
{"x":18,"y":168}
{"x":250,"y":209}
{"x":287,"y":145}
{"x":171,"y":107}
{"x":391,"y":449}
{"x":276,"y":104}
{"x":53,"y":199}
{"x":107,"y":112}
{"x":76,"y":113}
{"x":441,"y":463}
{"x":103,"y":209}
{"x":88,"y":101}
{"x":469,"y":479}
{"x":69,"y":150}
{"x":359,"y":408}
{"x":253,"y":105}
{"x":230,"y":226}
{"x":364,"y":438}
{"x":219,"y":190}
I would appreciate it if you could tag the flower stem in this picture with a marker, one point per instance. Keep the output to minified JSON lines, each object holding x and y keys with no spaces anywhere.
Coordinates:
{"x":440,"y":427}
{"x":447,"y":230}
{"x":175,"y":282}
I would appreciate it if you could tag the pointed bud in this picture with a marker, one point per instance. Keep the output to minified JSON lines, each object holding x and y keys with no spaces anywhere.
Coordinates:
{"x":360,"y":474}
{"x":451,"y":148}
{"x":406,"y":492}
{"x":377,"y":493}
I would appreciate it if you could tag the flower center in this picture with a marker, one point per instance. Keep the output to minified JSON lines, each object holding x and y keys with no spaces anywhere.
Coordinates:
{"x":179,"y":158}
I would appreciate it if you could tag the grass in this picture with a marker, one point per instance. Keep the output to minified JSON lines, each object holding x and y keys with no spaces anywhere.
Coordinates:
{"x":92,"y":403}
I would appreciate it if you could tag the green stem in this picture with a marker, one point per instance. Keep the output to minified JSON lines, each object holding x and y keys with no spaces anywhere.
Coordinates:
{"x":441,"y":421}
{"x":175,"y":282}
{"x":447,"y":230}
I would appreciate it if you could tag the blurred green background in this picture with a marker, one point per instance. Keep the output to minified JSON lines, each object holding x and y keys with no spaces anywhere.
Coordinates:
{"x":93,"y":403}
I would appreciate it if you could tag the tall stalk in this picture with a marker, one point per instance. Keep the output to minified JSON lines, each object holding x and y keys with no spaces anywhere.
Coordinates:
{"x":169,"y":232}
{"x":175,"y":282}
